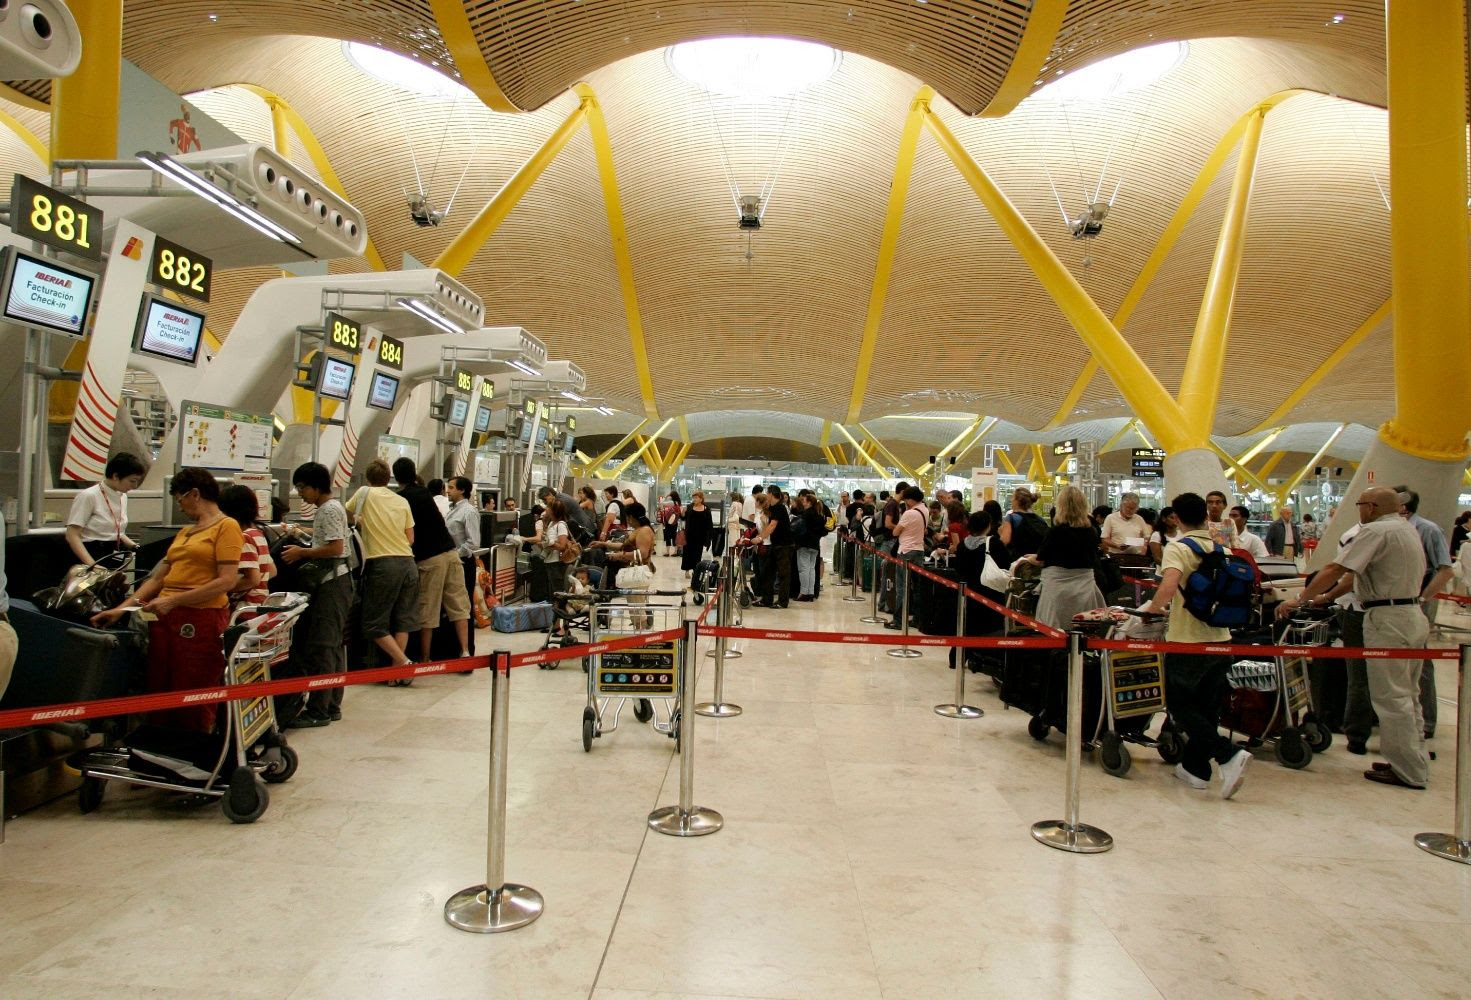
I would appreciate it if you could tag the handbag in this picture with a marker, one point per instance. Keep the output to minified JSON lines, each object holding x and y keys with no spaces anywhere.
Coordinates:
{"x":636,"y":575}
{"x":571,"y":551}
{"x":312,"y":573}
{"x":993,"y":576}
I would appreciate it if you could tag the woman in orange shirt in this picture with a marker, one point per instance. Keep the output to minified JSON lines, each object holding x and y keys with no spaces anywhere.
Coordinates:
{"x":184,"y":599}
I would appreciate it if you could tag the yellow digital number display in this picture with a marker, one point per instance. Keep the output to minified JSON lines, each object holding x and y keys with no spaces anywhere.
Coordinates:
{"x":180,"y":269}
{"x":464,"y":381}
{"x":343,"y":333}
{"x":43,"y":214}
{"x":487,"y":389}
{"x":572,"y":423}
{"x":391,"y":353}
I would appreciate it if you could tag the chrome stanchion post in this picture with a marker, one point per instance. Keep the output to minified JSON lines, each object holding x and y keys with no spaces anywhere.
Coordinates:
{"x":857,"y":557}
{"x":723,"y":615}
{"x":497,"y":905}
{"x":686,"y":819}
{"x":873,"y":617}
{"x":1457,"y":846}
{"x":720,"y":708}
{"x":1069,"y":834}
{"x":959,"y":709}
{"x":905,"y":652}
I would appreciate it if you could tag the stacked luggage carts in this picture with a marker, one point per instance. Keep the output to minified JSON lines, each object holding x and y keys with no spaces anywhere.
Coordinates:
{"x":1131,"y":689}
{"x":227,"y":765}
{"x":647,"y":675}
{"x":1270,"y":699}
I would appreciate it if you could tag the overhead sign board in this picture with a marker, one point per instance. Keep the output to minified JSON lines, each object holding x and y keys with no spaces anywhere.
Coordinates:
{"x":180,"y":269}
{"x":343,"y":333}
{"x":1068,"y":447}
{"x":44,"y":214}
{"x":1147,"y":463}
{"x":391,"y":353}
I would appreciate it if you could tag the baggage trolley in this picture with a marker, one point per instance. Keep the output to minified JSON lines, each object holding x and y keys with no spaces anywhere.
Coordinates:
{"x":1273,"y":700}
{"x":227,"y":765}
{"x":1133,"y":690}
{"x":645,"y":675}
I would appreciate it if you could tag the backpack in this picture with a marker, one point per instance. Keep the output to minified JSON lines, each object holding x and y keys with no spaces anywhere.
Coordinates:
{"x":1027,"y":535}
{"x":1219,"y":592}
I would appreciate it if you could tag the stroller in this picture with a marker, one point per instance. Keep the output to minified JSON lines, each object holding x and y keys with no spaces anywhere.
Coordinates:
{"x":571,"y":625}
{"x":227,"y":765}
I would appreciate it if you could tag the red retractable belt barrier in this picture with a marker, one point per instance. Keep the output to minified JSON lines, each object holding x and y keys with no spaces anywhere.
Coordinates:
{"x":1308,"y":652}
{"x":1454,"y":598}
{"x":886,"y":639}
{"x":76,"y":711}
{"x":1148,"y":584}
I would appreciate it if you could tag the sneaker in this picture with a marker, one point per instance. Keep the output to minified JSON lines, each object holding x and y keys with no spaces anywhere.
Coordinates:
{"x":1190,"y":779}
{"x":306,"y":720}
{"x":1233,"y":772}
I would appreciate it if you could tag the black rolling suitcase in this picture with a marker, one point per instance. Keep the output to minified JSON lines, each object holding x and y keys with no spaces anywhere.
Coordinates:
{"x":705,"y":576}
{"x":934,"y":603}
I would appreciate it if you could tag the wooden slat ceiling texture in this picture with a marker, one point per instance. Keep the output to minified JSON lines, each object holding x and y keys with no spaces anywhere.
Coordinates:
{"x":965,"y":325}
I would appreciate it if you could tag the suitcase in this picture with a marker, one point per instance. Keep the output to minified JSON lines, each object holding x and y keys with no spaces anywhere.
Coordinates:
{"x":521,"y":617}
{"x":868,"y":571}
{"x":933,"y":604}
{"x":705,"y":576}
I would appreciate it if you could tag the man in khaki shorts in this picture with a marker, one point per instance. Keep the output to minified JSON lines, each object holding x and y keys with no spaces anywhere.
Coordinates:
{"x":441,"y":581}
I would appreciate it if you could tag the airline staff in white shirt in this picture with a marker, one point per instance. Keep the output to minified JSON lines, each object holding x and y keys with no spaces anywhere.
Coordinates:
{"x":98,"y":519}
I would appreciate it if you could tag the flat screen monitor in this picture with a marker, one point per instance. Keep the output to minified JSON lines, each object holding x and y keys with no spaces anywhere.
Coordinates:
{"x":482,"y":419}
{"x":570,"y":445}
{"x":336,"y":380}
{"x":523,"y":431}
{"x":43,"y":294}
{"x":541,"y":436}
{"x":459,"y":411}
{"x":383,"y":393}
{"x":169,"y":331}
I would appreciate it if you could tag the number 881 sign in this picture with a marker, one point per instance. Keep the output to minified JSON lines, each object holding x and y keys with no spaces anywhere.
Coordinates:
{"x":180,"y":269}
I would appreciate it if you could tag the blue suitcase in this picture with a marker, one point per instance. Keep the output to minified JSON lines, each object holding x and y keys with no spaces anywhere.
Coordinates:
{"x":531,"y":617}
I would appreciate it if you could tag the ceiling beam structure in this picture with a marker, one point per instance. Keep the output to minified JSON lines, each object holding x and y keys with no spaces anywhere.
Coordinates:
{"x":459,"y":37}
{"x":1043,"y":24}
{"x":1329,"y":363}
{"x":1285,"y":490}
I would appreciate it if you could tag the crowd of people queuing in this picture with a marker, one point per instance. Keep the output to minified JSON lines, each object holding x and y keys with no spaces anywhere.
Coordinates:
{"x":416,"y":545}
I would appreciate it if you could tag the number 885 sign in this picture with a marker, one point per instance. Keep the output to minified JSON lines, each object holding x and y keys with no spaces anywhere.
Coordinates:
{"x":180,"y":269}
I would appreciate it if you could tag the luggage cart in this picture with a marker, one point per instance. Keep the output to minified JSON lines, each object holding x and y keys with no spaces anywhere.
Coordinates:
{"x":644,"y":675}
{"x":1273,"y":700}
{"x":1133,"y":690}
{"x":201,"y":763}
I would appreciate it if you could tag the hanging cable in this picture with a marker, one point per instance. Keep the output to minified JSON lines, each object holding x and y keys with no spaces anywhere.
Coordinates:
{"x":404,"y":130}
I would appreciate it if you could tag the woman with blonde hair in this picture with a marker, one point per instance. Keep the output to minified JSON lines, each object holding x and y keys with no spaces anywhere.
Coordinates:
{"x":1068,"y":557}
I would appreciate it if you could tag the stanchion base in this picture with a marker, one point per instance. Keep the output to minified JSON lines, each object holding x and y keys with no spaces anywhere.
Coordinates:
{"x":730,"y":654}
{"x":724,"y":710}
{"x":1080,"y":839}
{"x":959,"y":711}
{"x":850,"y":599}
{"x":905,"y":653}
{"x":482,"y":910}
{"x":1445,"y":845}
{"x":698,"y":822}
{"x":873,"y":619}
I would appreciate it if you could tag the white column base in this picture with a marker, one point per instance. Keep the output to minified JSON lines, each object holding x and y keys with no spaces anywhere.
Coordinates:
{"x":1195,"y":470}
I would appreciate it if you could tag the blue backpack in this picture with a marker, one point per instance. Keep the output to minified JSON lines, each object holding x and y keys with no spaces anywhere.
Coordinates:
{"x":1220,"y":591}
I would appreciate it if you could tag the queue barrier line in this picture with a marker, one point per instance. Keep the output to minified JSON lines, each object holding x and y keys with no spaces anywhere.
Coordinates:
{"x":163,"y":700}
{"x":879,"y":639}
{"x":1306,"y":652}
{"x":1137,"y":582}
{"x":1016,"y":616}
{"x":1454,"y":598}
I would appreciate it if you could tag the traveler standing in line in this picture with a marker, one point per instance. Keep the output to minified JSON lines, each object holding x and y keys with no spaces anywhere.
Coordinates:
{"x":319,"y":641}
{"x":670,"y":512}
{"x":553,"y":536}
{"x":1388,"y":564}
{"x":256,"y":566}
{"x":581,"y":523}
{"x":1220,"y":527}
{"x":463,"y":523}
{"x":441,"y":586}
{"x":980,"y":542}
{"x":1022,"y":531}
{"x":9,"y":644}
{"x":1195,"y":683}
{"x":909,"y":534}
{"x":1245,"y":540}
{"x":1284,"y":537}
{"x":1438,"y":570}
{"x":807,"y":530}
{"x":1124,"y":530}
{"x":1166,"y":530}
{"x":1068,"y":556}
{"x":587,"y":502}
{"x":612,"y":513}
{"x":436,"y":490}
{"x":777,"y":534}
{"x":760,"y":550}
{"x":699,"y":526}
{"x":735,"y":511}
{"x":98,"y":519}
{"x":390,"y":584}
{"x":886,"y":525}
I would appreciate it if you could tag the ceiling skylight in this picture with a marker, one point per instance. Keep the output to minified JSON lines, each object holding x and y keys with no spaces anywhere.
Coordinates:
{"x":1117,"y":75}
{"x":753,"y":67}
{"x":402,"y":72}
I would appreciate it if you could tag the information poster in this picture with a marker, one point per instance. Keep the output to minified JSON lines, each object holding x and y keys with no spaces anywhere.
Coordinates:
{"x":259,"y":484}
{"x":487,"y":468}
{"x":983,"y":484}
{"x":212,"y":437}
{"x":391,"y":448}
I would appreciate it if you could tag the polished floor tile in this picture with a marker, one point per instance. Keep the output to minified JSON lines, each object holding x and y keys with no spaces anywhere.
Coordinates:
{"x":871,"y":849}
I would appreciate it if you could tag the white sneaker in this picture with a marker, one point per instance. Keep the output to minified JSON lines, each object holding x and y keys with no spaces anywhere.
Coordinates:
{"x":1189,"y":778}
{"x":1233,"y":772}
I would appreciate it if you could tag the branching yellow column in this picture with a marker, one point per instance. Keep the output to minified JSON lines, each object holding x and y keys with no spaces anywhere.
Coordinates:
{"x":1200,"y":386}
{"x":84,"y":106}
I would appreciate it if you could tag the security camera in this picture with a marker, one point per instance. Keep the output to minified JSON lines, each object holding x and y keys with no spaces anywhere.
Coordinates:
{"x":423,"y":213}
{"x":750,"y":212}
{"x":1090,"y":223}
{"x":39,"y":40}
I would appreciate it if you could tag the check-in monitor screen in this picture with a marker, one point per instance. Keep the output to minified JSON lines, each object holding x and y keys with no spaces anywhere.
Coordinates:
{"x":482,"y":419}
{"x":336,"y":378}
{"x":44,"y":294}
{"x":169,"y":331}
{"x":459,"y":411}
{"x":383,"y":393}
{"x":570,"y":446}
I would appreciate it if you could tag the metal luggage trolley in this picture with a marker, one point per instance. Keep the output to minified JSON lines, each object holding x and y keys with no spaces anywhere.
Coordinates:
{"x":1133,"y":690}
{"x":1273,"y":701}
{"x":228,"y":765}
{"x":645,"y":674}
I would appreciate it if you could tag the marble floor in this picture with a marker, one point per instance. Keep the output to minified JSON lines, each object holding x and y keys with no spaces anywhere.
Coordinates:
{"x":871,"y":849}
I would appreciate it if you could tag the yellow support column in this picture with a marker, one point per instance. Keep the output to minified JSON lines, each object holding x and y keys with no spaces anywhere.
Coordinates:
{"x":84,"y":106}
{"x":593,"y":463}
{"x":1285,"y":490}
{"x":1200,"y":385}
{"x":976,"y":441}
{"x":1273,"y":460}
{"x":882,"y":450}
{"x":862,"y":453}
{"x":623,"y":466}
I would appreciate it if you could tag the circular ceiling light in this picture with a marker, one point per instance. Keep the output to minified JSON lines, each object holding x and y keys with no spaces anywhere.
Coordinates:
{"x":753,"y":67}
{"x":402,"y":72}
{"x":1118,"y":74}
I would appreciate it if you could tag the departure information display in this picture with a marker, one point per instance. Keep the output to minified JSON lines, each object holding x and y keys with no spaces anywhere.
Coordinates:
{"x":1148,"y":463}
{"x":41,"y":293}
{"x":212,"y":437}
{"x":169,"y":331}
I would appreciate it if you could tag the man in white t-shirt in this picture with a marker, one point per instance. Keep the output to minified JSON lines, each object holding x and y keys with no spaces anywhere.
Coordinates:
{"x":1245,"y":539}
{"x":1220,"y":527}
{"x":909,"y":538}
{"x":1124,"y":530}
{"x":1195,"y":683}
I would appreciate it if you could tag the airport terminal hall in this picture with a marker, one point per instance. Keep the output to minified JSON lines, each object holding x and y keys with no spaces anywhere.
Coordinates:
{"x":592,"y":500}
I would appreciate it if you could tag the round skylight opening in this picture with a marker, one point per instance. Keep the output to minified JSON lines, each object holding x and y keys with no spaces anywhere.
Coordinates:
{"x":402,"y":72}
{"x":1117,"y":75}
{"x":753,"y":67}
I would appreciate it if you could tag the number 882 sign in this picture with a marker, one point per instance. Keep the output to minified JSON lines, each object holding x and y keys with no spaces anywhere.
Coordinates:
{"x":180,"y":269}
